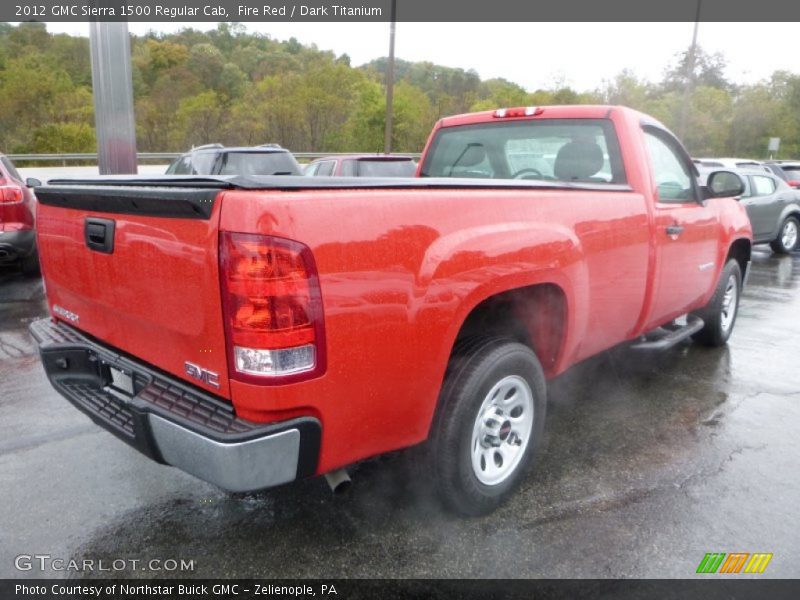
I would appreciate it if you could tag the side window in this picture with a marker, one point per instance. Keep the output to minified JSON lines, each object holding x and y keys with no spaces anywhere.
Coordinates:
{"x":763,"y":186}
{"x":325,"y":168}
{"x":348,"y":168}
{"x":311,"y":169}
{"x":203,"y":162}
{"x":182,"y":166}
{"x":673,"y":178}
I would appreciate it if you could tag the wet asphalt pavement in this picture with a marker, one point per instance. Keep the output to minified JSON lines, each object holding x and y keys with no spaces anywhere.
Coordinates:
{"x":649,"y":462}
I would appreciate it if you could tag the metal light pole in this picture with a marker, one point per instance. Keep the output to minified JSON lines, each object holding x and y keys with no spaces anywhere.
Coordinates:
{"x":690,"y":62}
{"x":112,"y":86}
{"x":387,"y":139}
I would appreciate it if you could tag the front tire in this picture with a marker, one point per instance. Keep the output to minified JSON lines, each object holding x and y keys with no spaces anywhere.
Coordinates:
{"x":720,"y":313}
{"x":489,"y":424}
{"x":788,"y":238}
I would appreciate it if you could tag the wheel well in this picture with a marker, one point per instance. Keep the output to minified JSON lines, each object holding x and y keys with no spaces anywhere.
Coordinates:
{"x":740,"y":250}
{"x":534,"y":315}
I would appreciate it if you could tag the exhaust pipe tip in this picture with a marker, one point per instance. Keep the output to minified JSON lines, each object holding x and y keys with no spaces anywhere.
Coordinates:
{"x":339,"y":481}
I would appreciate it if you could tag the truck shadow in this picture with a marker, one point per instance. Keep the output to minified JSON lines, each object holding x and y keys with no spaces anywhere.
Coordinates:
{"x":616,"y":424}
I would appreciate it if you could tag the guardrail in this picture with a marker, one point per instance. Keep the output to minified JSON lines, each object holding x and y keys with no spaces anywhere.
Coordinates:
{"x":154,"y":156}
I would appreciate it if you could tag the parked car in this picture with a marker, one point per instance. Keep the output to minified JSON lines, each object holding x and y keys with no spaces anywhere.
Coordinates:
{"x":17,"y":210}
{"x":363,"y":165}
{"x":773,"y":207}
{"x":727,"y":163}
{"x":787,"y":170}
{"x":279,"y":328}
{"x":216,"y":159}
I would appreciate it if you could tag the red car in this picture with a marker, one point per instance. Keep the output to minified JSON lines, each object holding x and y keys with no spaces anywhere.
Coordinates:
{"x":253,"y":331}
{"x":17,"y":208}
{"x":363,"y":165}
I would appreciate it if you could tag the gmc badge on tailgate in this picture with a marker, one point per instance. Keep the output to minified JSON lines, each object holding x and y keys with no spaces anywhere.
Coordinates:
{"x":204,"y":375}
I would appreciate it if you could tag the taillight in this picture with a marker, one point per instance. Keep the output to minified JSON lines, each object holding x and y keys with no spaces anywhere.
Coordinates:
{"x":10,"y":193}
{"x":794,"y":183}
{"x":272,"y":309}
{"x":520,"y":111}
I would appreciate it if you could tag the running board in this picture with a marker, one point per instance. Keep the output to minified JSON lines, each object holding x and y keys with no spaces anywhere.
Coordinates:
{"x":669,"y":335}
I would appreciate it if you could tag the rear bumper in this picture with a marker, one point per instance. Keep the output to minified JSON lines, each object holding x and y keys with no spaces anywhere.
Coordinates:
{"x":172,"y":422}
{"x":16,"y":244}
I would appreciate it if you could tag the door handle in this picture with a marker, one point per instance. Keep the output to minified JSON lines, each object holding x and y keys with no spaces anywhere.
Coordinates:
{"x":674,"y":230}
{"x":99,"y":234}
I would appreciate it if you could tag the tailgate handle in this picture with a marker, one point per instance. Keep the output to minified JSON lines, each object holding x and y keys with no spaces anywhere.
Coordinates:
{"x":99,"y":234}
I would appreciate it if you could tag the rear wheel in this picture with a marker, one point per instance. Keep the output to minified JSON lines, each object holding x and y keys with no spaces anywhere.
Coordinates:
{"x":787,"y":239}
{"x":30,"y":264}
{"x":720,"y":313}
{"x":489,"y":424}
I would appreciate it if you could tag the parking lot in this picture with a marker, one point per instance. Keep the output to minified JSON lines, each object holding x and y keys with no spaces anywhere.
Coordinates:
{"x":650,"y":461}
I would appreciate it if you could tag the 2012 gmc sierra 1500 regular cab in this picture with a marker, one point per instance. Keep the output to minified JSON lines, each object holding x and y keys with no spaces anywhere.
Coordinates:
{"x":254,"y":330}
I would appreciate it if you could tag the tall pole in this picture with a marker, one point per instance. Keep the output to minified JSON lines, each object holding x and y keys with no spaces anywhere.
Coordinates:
{"x":112,"y":86}
{"x":387,"y":139}
{"x":689,"y":86}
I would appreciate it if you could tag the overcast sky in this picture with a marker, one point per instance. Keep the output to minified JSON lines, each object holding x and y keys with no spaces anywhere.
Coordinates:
{"x":535,"y":55}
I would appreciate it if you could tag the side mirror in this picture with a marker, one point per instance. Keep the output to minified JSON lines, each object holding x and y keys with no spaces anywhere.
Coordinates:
{"x":723,"y":184}
{"x":32,"y":182}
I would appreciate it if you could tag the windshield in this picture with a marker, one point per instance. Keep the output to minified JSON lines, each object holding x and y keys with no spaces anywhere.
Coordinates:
{"x":386,"y":168}
{"x":583,"y":150}
{"x":259,"y":163}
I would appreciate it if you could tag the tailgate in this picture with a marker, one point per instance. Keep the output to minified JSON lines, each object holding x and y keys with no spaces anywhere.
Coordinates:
{"x":137,"y":268}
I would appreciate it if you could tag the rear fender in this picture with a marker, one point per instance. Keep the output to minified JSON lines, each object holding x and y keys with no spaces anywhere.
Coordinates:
{"x":478,"y":263}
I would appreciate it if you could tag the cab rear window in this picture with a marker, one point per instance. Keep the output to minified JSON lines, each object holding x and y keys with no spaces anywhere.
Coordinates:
{"x":570,"y":150}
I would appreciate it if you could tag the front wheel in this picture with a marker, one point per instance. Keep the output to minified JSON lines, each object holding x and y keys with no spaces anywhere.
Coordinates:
{"x":788,"y":237}
{"x":720,"y":313}
{"x":489,"y":424}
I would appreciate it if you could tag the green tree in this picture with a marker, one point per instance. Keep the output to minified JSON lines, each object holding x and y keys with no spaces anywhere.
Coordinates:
{"x":199,"y":120}
{"x":63,"y":138}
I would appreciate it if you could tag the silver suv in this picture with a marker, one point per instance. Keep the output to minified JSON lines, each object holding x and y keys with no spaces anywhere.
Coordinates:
{"x":216,"y":159}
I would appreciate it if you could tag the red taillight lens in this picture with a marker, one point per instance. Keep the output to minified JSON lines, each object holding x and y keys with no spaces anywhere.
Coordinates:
{"x":10,"y":193}
{"x":272,"y":309}
{"x":794,"y":183}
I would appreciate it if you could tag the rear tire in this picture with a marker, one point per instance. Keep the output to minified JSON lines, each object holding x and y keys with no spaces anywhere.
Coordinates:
{"x":489,"y":424}
{"x":30,"y":264}
{"x":788,"y":237}
{"x":720,"y":313}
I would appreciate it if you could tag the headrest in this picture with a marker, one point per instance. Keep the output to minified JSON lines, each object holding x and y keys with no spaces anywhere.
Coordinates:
{"x":578,"y":160}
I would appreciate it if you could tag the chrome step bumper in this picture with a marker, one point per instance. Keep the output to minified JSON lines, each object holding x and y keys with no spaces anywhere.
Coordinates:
{"x":172,"y":422}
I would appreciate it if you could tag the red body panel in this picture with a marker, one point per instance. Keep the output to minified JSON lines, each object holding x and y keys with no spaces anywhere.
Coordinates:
{"x":400,"y":270}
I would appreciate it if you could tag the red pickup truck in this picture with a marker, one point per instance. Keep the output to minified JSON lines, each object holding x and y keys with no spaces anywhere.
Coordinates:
{"x":255,"y":330}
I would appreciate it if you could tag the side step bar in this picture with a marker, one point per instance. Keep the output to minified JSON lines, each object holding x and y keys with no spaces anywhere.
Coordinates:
{"x":669,"y":335}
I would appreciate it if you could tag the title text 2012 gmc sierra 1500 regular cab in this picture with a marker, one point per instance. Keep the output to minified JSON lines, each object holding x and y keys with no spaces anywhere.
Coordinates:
{"x":254,"y":330}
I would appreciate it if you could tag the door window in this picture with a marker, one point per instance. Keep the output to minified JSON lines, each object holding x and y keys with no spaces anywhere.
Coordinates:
{"x":673,"y":178}
{"x":325,"y":168}
{"x":763,"y":186}
{"x":182,"y":166}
